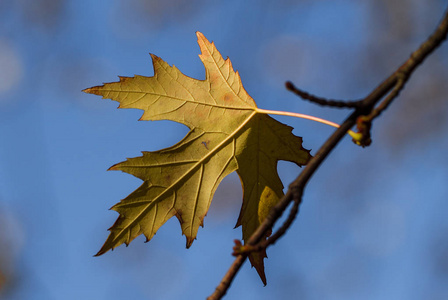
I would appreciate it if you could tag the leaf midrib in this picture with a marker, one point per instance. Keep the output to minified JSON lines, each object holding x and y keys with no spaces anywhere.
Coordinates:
{"x":176,"y":98}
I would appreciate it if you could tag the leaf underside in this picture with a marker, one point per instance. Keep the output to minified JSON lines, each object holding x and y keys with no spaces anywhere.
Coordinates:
{"x":227,"y":134}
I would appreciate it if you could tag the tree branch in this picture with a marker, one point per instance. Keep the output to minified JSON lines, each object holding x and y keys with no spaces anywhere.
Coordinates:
{"x":390,"y":89}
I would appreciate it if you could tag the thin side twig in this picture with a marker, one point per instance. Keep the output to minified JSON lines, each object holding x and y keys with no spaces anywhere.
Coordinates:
{"x":388,"y":100}
{"x":320,"y":100}
{"x":365,"y":108}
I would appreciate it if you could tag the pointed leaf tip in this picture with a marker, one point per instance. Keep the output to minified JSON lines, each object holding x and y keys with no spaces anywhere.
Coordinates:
{"x":199,"y":35}
{"x":102,"y":251}
{"x":91,"y":90}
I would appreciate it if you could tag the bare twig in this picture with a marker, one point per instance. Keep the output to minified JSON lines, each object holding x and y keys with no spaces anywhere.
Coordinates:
{"x":398,"y":80}
{"x":388,"y":100}
{"x":320,"y":100}
{"x":391,"y":86}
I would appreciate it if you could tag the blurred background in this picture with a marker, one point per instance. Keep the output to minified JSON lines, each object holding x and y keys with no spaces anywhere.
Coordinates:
{"x":373,"y":224}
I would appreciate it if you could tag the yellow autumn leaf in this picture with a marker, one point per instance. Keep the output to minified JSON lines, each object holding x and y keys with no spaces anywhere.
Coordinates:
{"x":227,"y":133}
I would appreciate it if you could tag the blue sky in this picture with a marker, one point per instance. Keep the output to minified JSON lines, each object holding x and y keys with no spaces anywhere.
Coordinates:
{"x":373,"y":222}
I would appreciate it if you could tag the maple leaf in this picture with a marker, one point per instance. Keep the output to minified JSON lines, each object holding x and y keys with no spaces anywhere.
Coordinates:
{"x":227,"y":133}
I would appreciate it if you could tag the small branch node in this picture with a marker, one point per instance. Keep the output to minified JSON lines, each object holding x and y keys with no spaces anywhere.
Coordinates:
{"x":363,"y":124}
{"x":240,"y":249}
